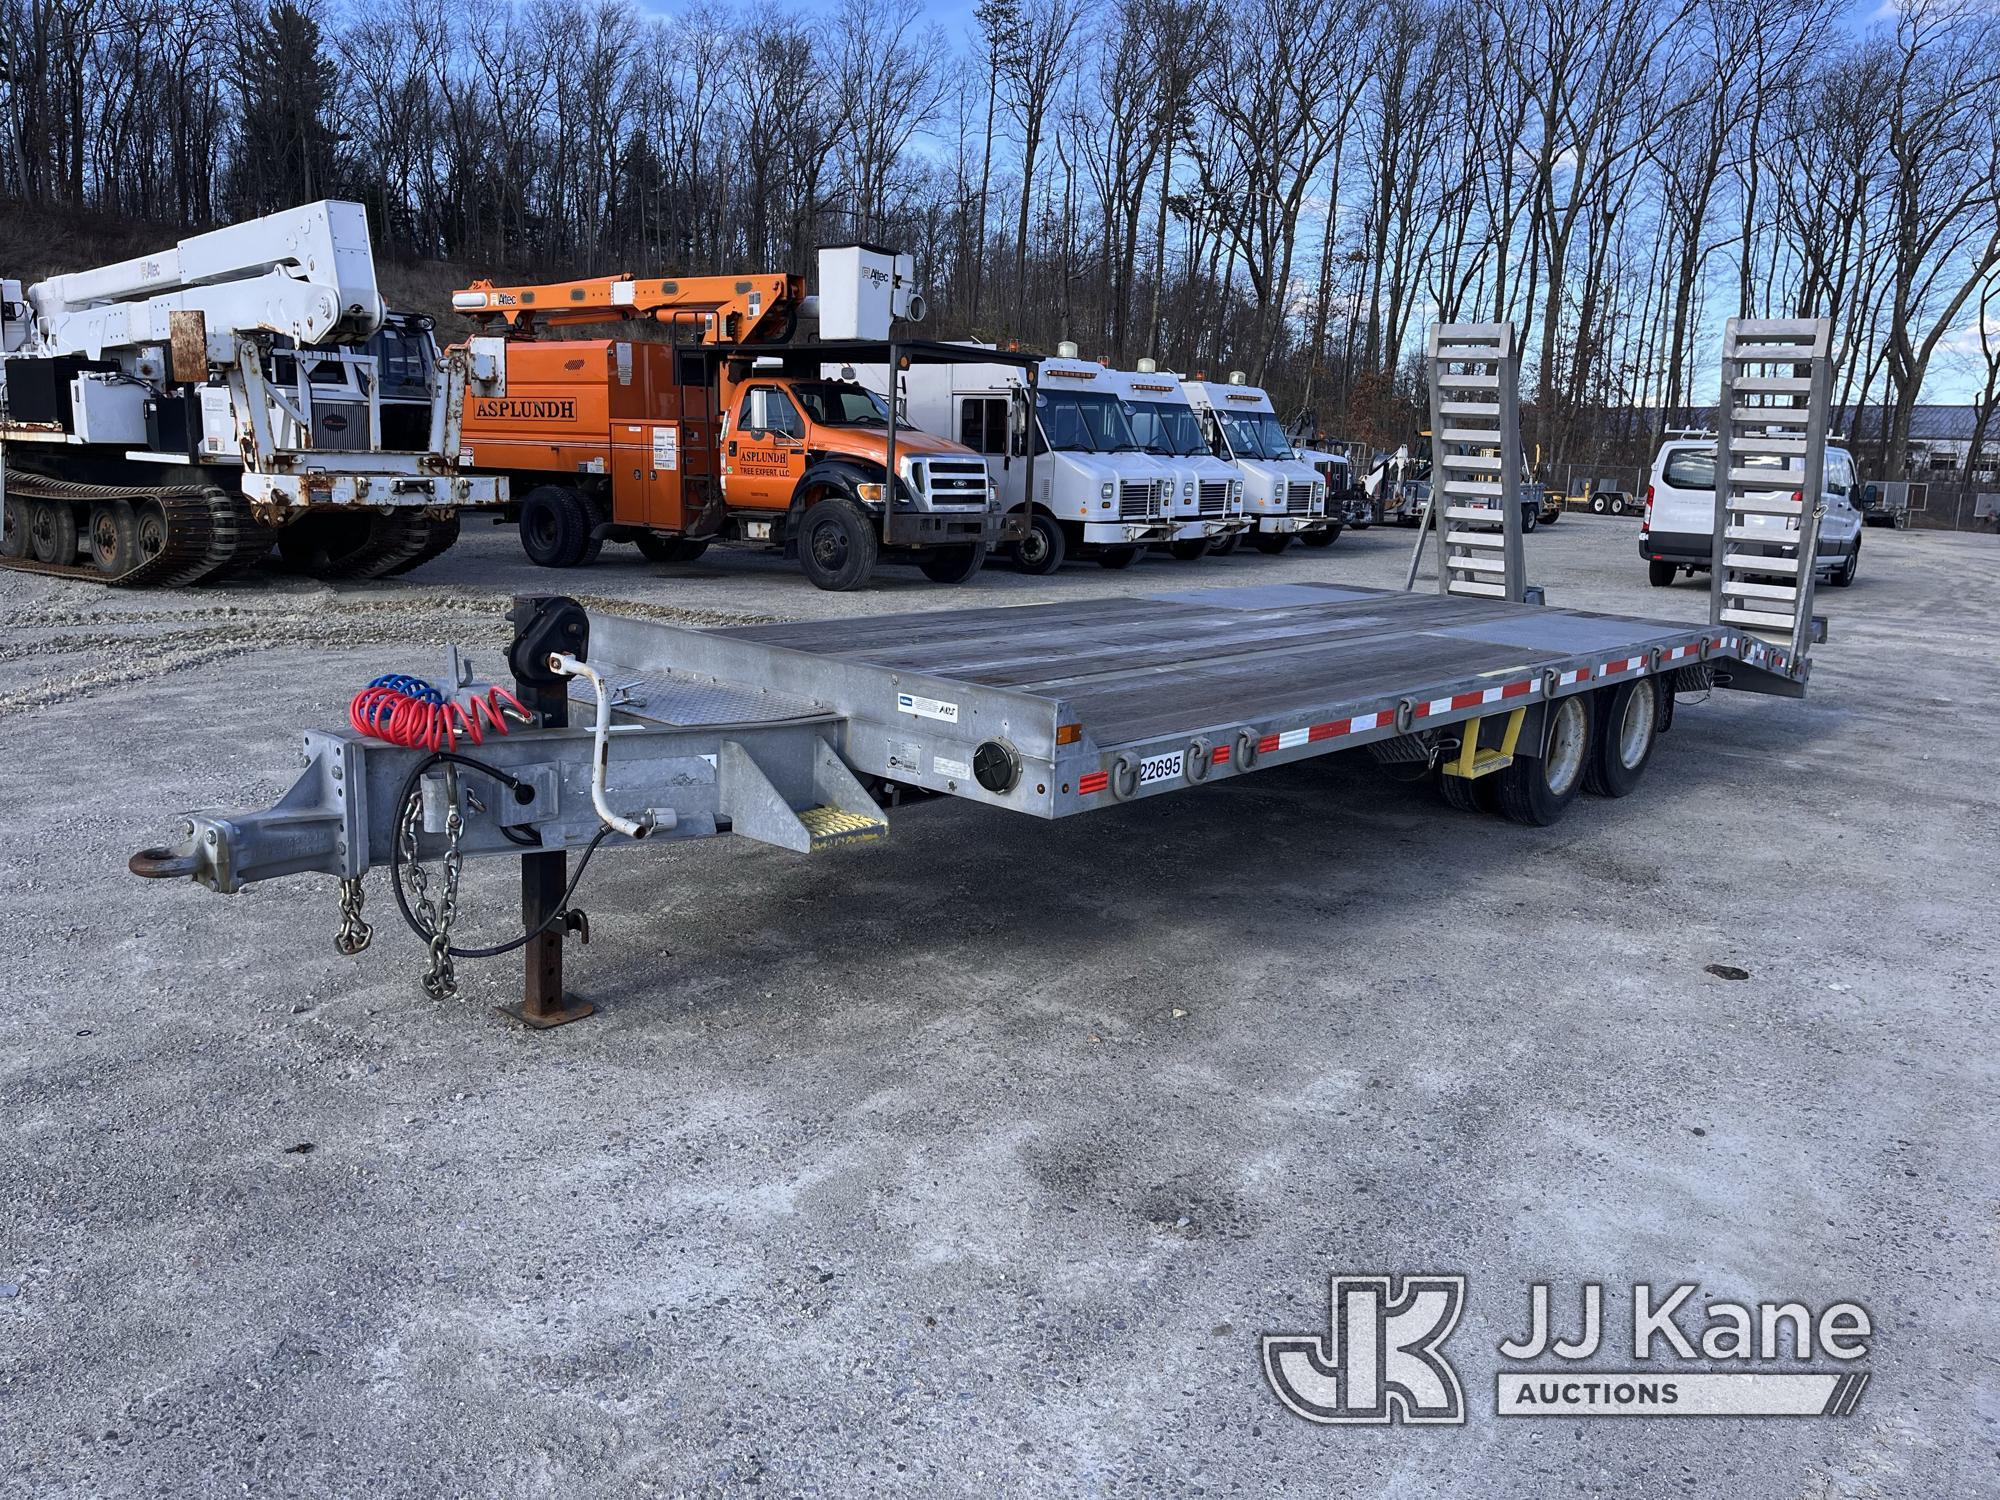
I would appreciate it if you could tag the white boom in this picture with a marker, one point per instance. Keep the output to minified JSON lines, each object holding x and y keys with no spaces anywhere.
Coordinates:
{"x":307,"y":273}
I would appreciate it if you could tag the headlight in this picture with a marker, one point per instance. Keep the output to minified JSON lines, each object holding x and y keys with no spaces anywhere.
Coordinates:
{"x":1106,"y":490}
{"x":1236,"y":489}
{"x":1187,"y":490}
{"x":1319,"y":488}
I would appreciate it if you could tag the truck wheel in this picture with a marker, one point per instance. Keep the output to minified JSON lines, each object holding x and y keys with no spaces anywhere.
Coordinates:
{"x":1628,"y":725}
{"x":52,"y":531}
{"x":670,"y":549}
{"x":1226,"y":546}
{"x":14,"y":530}
{"x":1324,"y":538}
{"x":1041,"y":551}
{"x":1538,"y":792}
{"x":1843,"y":575}
{"x":1117,"y":557}
{"x":1190,"y":550}
{"x":952,"y":564}
{"x":837,"y":544}
{"x":1660,"y":574}
{"x":555,"y":527}
{"x":114,"y":538}
{"x":1271,"y":543}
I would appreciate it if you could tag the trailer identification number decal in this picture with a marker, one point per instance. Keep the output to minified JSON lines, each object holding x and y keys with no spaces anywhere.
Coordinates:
{"x":927,"y":708}
{"x":1162,"y":767}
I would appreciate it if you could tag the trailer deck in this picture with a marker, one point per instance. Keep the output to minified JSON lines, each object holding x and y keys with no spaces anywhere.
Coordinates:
{"x":1099,"y":701}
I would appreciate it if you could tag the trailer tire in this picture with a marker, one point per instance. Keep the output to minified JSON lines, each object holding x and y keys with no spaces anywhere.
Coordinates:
{"x":952,"y":564}
{"x":1627,"y":728}
{"x":1226,"y":546}
{"x":1538,"y":792}
{"x":1599,"y":505}
{"x":1116,"y":558}
{"x":1190,"y":550}
{"x":1661,"y":574}
{"x":837,"y":544}
{"x":1469,"y":795}
{"x":1042,"y":551}
{"x":555,"y":527}
{"x":114,"y":537}
{"x":52,"y":531}
{"x":1271,"y":543}
{"x":14,"y":530}
{"x":669,"y":549}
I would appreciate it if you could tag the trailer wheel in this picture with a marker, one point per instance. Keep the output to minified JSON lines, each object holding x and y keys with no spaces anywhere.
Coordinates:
{"x":669,"y":549}
{"x":837,"y":545}
{"x":1226,"y":546}
{"x":555,"y":527}
{"x":1538,"y":792}
{"x":1599,"y":505}
{"x":114,"y":537}
{"x":1271,"y":543}
{"x":1041,"y":551}
{"x":1476,"y":795}
{"x":14,"y":530}
{"x":1660,"y":574}
{"x":1192,"y":550}
{"x":952,"y":564}
{"x":1628,"y":726}
{"x":1531,"y":517}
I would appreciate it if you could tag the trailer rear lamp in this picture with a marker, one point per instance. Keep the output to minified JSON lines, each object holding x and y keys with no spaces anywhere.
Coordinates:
{"x":995,"y":766}
{"x":1068,"y":734}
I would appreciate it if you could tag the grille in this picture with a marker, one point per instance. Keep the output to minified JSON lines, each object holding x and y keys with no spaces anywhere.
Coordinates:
{"x":955,"y":482}
{"x":1298,"y":498}
{"x":1214,"y":497}
{"x":1138,"y":500}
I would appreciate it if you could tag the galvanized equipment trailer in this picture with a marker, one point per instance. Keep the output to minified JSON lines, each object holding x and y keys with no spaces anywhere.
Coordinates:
{"x":798,"y":735}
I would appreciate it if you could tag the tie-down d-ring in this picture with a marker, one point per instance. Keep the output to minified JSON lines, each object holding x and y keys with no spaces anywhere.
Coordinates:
{"x":1244,"y":754}
{"x":1196,"y":766}
{"x":1124,"y":777}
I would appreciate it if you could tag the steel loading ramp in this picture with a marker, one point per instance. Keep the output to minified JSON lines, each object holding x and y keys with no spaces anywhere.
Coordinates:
{"x":1055,"y":709}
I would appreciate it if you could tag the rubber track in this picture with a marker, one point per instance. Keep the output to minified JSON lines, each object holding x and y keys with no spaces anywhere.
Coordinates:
{"x":401,"y":540}
{"x":209,"y":531}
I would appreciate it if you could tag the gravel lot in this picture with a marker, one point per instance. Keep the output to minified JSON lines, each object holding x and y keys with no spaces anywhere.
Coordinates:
{"x":975,"y":1163}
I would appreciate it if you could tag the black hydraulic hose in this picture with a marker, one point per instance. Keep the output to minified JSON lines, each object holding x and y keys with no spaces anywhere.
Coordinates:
{"x":403,"y":800}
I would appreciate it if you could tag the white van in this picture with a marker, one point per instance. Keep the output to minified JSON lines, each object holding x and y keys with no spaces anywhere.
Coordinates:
{"x":1208,"y":508}
{"x":1283,"y":496}
{"x":1678,"y":532}
{"x":1098,"y":493}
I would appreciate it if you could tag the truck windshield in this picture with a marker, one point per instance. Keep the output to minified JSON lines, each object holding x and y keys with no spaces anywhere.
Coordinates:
{"x":1255,"y":434}
{"x":1167,"y":427}
{"x":832,"y":403}
{"x":1084,"y":422}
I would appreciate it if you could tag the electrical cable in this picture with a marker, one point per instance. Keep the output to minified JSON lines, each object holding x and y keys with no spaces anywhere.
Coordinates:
{"x":410,"y":791}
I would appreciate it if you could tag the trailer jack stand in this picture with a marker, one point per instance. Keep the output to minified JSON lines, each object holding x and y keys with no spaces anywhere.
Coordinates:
{"x":543,"y":623}
{"x":544,"y":1003}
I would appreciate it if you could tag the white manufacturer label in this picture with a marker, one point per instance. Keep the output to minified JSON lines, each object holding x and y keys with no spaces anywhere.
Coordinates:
{"x":1162,"y":767}
{"x":666,"y":447}
{"x":944,"y":765}
{"x":927,"y":708}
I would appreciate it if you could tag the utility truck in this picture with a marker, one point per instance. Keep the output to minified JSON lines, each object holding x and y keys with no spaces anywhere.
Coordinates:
{"x":1208,"y":504}
{"x":1283,"y":496}
{"x":1096,"y":492}
{"x":728,"y":431}
{"x":164,"y":419}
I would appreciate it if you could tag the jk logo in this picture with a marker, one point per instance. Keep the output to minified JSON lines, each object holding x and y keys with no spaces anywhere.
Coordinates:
{"x":1378,"y":1361}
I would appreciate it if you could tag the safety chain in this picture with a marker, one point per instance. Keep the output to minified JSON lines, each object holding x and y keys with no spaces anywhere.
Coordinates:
{"x":441,"y":977}
{"x":354,"y":934}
